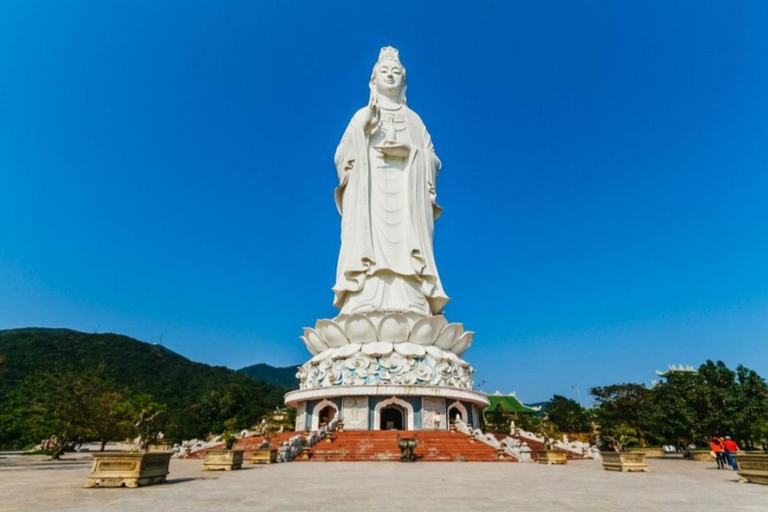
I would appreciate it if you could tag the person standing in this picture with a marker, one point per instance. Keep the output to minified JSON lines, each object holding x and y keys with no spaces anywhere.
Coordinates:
{"x":730,"y":447}
{"x":717,"y":448}
{"x":436,"y":420}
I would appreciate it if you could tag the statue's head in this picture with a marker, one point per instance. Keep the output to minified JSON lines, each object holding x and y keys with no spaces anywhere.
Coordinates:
{"x":388,"y":75}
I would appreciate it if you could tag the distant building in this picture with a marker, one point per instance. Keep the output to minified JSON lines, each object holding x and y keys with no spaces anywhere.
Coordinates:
{"x":510,"y":404}
{"x":676,"y":369}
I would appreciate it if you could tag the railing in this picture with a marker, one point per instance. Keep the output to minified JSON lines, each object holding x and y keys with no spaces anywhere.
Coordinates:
{"x":509,"y":446}
{"x":293,"y":447}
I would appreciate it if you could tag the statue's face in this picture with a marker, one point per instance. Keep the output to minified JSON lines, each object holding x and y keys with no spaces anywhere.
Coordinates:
{"x":389,"y":78}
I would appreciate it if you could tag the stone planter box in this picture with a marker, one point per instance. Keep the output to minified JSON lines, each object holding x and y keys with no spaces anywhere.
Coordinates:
{"x":551,"y":457}
{"x":265,"y":456}
{"x":753,"y":467}
{"x":649,"y":452}
{"x":226,"y":460}
{"x":624,"y":461}
{"x":128,"y":469}
{"x":701,"y":456}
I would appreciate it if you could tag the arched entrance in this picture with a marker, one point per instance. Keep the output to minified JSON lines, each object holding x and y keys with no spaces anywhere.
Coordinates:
{"x":323,"y":412}
{"x":406,"y":409}
{"x":456,"y":410}
{"x":326,"y":414}
{"x":392,"y":418}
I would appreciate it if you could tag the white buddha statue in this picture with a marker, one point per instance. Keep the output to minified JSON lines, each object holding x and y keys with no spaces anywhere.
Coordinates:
{"x":387,"y":171}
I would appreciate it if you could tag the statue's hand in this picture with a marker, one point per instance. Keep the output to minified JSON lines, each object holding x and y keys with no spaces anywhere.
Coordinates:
{"x":394,"y":148}
{"x":371,"y":117}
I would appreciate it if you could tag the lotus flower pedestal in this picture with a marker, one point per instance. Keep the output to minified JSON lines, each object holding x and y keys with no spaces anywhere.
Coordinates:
{"x":366,"y":364}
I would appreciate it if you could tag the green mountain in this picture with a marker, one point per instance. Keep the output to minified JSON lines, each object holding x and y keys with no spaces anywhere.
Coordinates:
{"x":284,"y":377}
{"x":198,"y":396}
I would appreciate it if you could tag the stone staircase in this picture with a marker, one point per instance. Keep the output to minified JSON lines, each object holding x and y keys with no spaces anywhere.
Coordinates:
{"x":372,"y":445}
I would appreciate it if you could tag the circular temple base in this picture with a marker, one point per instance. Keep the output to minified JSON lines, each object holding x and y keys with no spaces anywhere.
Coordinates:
{"x":386,"y":407}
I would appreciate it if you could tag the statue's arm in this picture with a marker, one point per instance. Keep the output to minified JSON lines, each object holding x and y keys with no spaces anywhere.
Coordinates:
{"x":344,"y":159}
{"x":429,"y":147}
{"x":349,"y":155}
{"x":434,"y":165}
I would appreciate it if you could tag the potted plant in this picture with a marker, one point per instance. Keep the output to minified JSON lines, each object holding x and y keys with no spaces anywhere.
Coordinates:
{"x":617,"y":458}
{"x":140,"y":466}
{"x":265,"y":454}
{"x":550,"y":455}
{"x":227,"y":459}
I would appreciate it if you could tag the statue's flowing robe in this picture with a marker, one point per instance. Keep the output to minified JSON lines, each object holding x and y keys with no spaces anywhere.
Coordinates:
{"x":357,"y":256}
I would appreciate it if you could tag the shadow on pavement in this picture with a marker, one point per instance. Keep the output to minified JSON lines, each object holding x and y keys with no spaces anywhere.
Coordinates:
{"x":174,"y":481}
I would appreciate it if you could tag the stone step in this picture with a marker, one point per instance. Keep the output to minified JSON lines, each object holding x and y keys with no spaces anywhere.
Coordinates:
{"x":382,"y":446}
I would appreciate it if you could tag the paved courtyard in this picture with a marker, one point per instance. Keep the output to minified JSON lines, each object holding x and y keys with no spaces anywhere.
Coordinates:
{"x":32,"y":483}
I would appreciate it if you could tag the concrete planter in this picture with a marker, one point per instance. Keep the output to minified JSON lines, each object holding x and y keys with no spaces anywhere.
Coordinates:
{"x":701,"y":456}
{"x":226,"y":460}
{"x":753,"y":467}
{"x":624,"y":461}
{"x":265,"y":456}
{"x":551,"y":457}
{"x":649,"y":452}
{"x":128,"y":469}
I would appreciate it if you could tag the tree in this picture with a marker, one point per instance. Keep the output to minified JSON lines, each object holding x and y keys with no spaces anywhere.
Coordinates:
{"x":622,"y":406}
{"x":717,"y":405}
{"x":751,"y":416}
{"x":715,"y":400}
{"x":65,"y":407}
{"x":107,"y":416}
{"x":233,"y":404}
{"x":568,"y":415}
{"x":680,"y":400}
{"x":57,"y":408}
{"x":146,"y":418}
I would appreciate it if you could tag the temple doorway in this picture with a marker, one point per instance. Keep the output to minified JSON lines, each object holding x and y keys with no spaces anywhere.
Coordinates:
{"x":392,"y":418}
{"x":453,"y":414}
{"x":327,"y":414}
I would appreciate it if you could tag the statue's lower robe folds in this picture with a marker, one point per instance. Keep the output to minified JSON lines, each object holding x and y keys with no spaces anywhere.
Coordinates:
{"x":388,"y":208}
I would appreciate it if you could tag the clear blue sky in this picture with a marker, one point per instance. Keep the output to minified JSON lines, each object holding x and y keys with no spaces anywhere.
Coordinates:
{"x":166,"y":170}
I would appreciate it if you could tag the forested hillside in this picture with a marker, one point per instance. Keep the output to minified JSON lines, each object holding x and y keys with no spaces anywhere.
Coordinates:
{"x":284,"y":377}
{"x":199,"y":398}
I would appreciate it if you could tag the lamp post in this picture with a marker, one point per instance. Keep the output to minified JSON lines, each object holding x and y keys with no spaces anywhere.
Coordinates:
{"x":578,"y":393}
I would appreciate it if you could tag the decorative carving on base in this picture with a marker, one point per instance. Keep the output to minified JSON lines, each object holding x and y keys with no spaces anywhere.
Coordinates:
{"x":301,"y":417}
{"x":438,"y":368}
{"x":355,"y":410}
